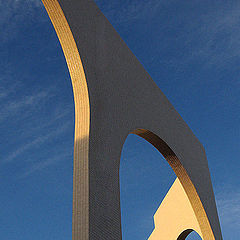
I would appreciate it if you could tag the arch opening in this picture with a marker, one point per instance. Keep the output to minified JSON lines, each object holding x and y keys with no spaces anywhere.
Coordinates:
{"x":168,"y":212}
{"x":145,"y":178}
{"x":189,"y":234}
{"x":184,"y":234}
{"x":183,"y":181}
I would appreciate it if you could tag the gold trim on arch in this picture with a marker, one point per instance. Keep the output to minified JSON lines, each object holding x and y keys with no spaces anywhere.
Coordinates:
{"x":175,"y":218}
{"x":191,"y":193}
{"x":80,"y":228}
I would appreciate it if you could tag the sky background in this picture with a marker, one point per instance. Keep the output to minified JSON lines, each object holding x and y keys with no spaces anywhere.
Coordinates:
{"x":192,"y":51}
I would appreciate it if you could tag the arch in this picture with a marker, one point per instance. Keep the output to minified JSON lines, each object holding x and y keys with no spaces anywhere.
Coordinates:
{"x":184,"y":234}
{"x":145,"y":178}
{"x":176,"y":212}
{"x":114,"y":94}
{"x":193,"y":235}
{"x":184,"y":180}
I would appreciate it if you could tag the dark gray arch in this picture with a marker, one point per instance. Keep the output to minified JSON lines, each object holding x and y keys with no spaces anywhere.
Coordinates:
{"x":123,"y":98}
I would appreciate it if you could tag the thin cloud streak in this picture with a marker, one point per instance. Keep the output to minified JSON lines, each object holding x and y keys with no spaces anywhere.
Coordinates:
{"x":13,"y":12}
{"x":228,"y":204}
{"x":221,"y":37}
{"x":211,"y":41}
{"x":35,"y":142}
{"x":44,"y":164}
{"x":13,"y":107}
{"x":3,"y":93}
{"x":130,"y":10}
{"x":215,"y":41}
{"x":7,"y":89}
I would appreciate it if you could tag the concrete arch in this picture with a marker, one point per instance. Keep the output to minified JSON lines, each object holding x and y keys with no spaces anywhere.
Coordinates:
{"x":113,"y":96}
{"x":181,"y":199}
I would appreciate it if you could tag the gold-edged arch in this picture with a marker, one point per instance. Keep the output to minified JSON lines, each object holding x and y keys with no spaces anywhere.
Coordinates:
{"x":184,"y":186}
{"x":80,"y":225}
{"x":81,"y":143}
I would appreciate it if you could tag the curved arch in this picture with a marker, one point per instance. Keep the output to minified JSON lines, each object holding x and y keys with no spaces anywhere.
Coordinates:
{"x":80,"y":227}
{"x":97,"y":146}
{"x":183,"y":177}
{"x":184,"y":234}
{"x":188,"y":232}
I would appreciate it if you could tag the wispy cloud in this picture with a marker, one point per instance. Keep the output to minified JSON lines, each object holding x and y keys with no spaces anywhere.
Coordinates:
{"x":214,"y":39}
{"x":3,"y":93}
{"x":13,"y":106}
{"x":16,"y":12}
{"x":44,"y":164}
{"x":35,"y":143}
{"x":15,"y":2}
{"x":129,"y":10}
{"x":228,"y":204}
{"x":7,"y":89}
{"x":221,"y":36}
{"x":30,"y":100}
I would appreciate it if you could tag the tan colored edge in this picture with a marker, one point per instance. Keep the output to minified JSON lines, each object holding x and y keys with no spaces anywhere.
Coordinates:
{"x":80,"y":227}
{"x":207,"y":233}
{"x":174,"y":162}
{"x":175,"y":216}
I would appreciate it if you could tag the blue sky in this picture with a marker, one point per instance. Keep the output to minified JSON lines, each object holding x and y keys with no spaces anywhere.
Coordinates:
{"x":192,"y":51}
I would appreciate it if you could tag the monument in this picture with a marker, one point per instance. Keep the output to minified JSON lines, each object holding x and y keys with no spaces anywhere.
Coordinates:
{"x":114,"y":96}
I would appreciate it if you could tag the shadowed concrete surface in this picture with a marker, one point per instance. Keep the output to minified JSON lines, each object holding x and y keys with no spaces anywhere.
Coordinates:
{"x":115,"y":96}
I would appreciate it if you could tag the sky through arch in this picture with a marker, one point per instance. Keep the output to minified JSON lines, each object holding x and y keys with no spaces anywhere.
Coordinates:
{"x":145,"y":178}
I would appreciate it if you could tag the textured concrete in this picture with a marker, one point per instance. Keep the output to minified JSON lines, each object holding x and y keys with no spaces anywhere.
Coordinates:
{"x":115,"y":96}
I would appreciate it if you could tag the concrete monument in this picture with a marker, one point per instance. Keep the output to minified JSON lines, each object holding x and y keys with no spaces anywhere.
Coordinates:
{"x":114,"y":96}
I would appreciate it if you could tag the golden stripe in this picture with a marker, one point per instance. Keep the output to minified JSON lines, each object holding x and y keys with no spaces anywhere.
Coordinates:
{"x":80,"y":227}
